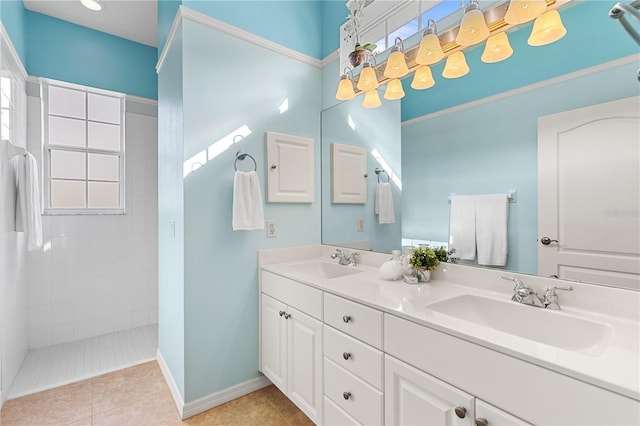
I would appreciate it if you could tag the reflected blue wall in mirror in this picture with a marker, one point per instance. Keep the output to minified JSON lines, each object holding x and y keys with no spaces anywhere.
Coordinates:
{"x":351,"y":124}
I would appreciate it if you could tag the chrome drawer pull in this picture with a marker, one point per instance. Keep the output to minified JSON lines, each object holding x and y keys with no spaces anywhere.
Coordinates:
{"x":346,"y":355}
{"x":346,"y":395}
{"x":346,"y":318}
{"x":281,"y":313}
{"x":461,"y":412}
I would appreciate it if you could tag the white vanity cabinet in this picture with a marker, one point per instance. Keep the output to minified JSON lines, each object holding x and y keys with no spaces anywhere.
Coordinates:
{"x":291,"y":341}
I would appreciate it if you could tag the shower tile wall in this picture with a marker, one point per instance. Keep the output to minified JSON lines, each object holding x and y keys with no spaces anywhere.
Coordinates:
{"x":97,"y":274}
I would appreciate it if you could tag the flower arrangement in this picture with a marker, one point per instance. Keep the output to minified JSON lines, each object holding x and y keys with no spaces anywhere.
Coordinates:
{"x":424,"y":258}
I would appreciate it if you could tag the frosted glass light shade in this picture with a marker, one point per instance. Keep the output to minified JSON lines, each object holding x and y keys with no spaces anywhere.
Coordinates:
{"x":521,"y":11}
{"x":430,"y":50}
{"x":396,"y":64}
{"x":345,"y":89}
{"x":547,"y":28}
{"x":497,"y":49}
{"x":423,"y":78}
{"x":368,"y":79}
{"x":371,"y":99}
{"x":394,"y":90}
{"x":473,"y":28}
{"x":456,"y":66}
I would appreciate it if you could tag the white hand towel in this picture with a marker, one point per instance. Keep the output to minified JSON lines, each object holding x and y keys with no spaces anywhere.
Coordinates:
{"x":462,"y":226}
{"x":492,"y":218}
{"x":28,"y":215}
{"x":248,"y":214}
{"x":384,"y":204}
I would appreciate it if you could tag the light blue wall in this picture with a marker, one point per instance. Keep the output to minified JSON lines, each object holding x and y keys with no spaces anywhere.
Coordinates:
{"x":12,"y":14}
{"x":592,"y":38}
{"x":294,"y":24}
{"x":64,"y":51}
{"x":492,"y":148}
{"x":373,"y":129}
{"x":221,"y":271}
{"x":334,"y":14}
{"x":171,"y":210}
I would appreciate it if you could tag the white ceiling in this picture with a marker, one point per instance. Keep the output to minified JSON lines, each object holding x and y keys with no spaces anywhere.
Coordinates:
{"x":135,"y":20}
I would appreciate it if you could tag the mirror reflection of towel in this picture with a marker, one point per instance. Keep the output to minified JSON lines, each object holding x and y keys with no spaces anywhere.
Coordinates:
{"x":462,"y":226}
{"x":384,"y":204}
{"x":492,"y":218}
{"x":248,"y":213}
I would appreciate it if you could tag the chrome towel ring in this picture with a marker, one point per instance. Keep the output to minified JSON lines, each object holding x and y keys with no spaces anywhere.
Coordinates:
{"x":379,"y":172}
{"x":241,"y":156}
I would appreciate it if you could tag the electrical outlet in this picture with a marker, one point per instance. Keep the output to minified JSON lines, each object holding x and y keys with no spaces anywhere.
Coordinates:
{"x":360,"y":225}
{"x":272,"y":230}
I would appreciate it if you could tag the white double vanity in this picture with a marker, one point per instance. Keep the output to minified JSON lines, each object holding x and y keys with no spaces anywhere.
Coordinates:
{"x":348,"y":348}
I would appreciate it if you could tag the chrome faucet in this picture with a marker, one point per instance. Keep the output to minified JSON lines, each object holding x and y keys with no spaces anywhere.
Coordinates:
{"x":345,"y":258}
{"x":551,"y":297}
{"x":523,"y":294}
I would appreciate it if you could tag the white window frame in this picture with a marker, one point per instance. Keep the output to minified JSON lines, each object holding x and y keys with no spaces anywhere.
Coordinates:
{"x":11,"y":107}
{"x":47,"y":147}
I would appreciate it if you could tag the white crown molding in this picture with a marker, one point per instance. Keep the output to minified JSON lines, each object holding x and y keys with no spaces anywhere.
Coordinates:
{"x":213,"y":23}
{"x":330,"y":58}
{"x":205,"y":403}
{"x":542,"y":84}
{"x":173,"y":388}
{"x":8,"y":45}
{"x":141,"y":100}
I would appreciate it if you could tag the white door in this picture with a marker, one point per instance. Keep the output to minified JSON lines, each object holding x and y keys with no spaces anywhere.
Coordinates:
{"x":348,"y":174}
{"x":291,"y":169}
{"x":495,"y":416}
{"x":274,"y":341}
{"x":305,"y":363}
{"x":413,"y":397}
{"x":589,"y":194}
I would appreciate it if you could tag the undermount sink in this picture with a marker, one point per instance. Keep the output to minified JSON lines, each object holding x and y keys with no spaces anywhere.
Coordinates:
{"x":528,"y":322}
{"x":325,"y":269}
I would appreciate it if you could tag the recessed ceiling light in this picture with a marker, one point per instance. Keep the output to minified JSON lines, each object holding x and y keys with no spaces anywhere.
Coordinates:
{"x":95,"y":5}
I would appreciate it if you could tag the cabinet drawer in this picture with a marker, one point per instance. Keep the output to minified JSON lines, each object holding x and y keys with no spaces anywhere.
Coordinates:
{"x":361,"y":359}
{"x":364,"y":403}
{"x":300,"y":296}
{"x":356,"y":320}
{"x":334,"y":416}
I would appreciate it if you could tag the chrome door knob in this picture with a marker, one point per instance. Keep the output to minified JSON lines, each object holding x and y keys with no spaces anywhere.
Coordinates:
{"x":461,"y":412}
{"x":481,"y":421}
{"x":346,"y":395}
{"x":346,"y":355}
{"x":546,"y":241}
{"x":346,"y":318}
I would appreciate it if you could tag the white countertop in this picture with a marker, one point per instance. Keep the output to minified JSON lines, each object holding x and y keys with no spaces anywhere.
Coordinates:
{"x":617,"y":368}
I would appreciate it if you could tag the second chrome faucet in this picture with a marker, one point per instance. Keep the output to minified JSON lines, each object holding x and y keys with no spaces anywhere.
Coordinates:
{"x":345,"y":258}
{"x":527,"y":296}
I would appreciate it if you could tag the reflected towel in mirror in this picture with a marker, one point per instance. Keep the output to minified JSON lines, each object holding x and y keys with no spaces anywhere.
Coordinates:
{"x":462,"y":226}
{"x":492,"y":218}
{"x":384,"y":203}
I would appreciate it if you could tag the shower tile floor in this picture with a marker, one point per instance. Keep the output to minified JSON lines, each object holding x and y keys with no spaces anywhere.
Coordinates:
{"x":57,"y":365}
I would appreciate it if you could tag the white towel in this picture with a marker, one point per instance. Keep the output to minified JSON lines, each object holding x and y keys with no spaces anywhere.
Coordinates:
{"x":492,"y":218}
{"x":28,"y":215}
{"x":462,"y":226}
{"x":248,"y":214}
{"x":384,"y":203}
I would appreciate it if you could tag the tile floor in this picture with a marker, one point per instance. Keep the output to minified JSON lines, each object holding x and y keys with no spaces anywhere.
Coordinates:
{"x":139,"y":396}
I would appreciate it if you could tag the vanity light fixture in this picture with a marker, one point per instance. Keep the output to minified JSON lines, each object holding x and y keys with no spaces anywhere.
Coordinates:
{"x":345,"y":87}
{"x":396,"y":64}
{"x":473,"y":28}
{"x":521,"y":11}
{"x":423,"y":78}
{"x":456,"y":66}
{"x":547,"y":28}
{"x":371,"y":99}
{"x":95,"y":5}
{"x":368,"y":79}
{"x":394,"y":90}
{"x":497,"y":49}
{"x":430,"y":50}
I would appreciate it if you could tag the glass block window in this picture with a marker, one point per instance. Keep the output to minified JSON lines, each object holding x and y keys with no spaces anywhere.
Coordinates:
{"x":84,"y":149}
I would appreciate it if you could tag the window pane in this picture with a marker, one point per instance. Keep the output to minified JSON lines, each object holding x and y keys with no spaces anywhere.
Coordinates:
{"x":104,"y":167}
{"x":104,"y":136}
{"x":407,"y":30}
{"x":104,"y":108}
{"x":67,"y":132}
{"x":104,"y":195}
{"x":67,"y":164}
{"x":5,"y":120}
{"x":5,"y":88}
{"x":67,"y":194}
{"x":66,"y":102}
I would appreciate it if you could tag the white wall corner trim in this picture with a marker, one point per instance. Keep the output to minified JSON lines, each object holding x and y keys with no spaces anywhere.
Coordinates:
{"x":207,"y":402}
{"x":330,"y":58}
{"x":524,"y":89}
{"x":173,"y":388}
{"x":213,"y":23}
{"x":8,"y":45}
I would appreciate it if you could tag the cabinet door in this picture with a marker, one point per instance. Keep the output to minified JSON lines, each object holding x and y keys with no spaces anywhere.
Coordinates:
{"x":274,"y":341}
{"x":291,"y":173}
{"x":495,"y":416}
{"x":348,"y":174}
{"x":413,"y":397}
{"x":305,"y":363}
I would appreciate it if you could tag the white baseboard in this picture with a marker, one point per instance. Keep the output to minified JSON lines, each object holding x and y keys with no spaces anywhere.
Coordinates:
{"x":173,"y":388}
{"x":203,"y":404}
